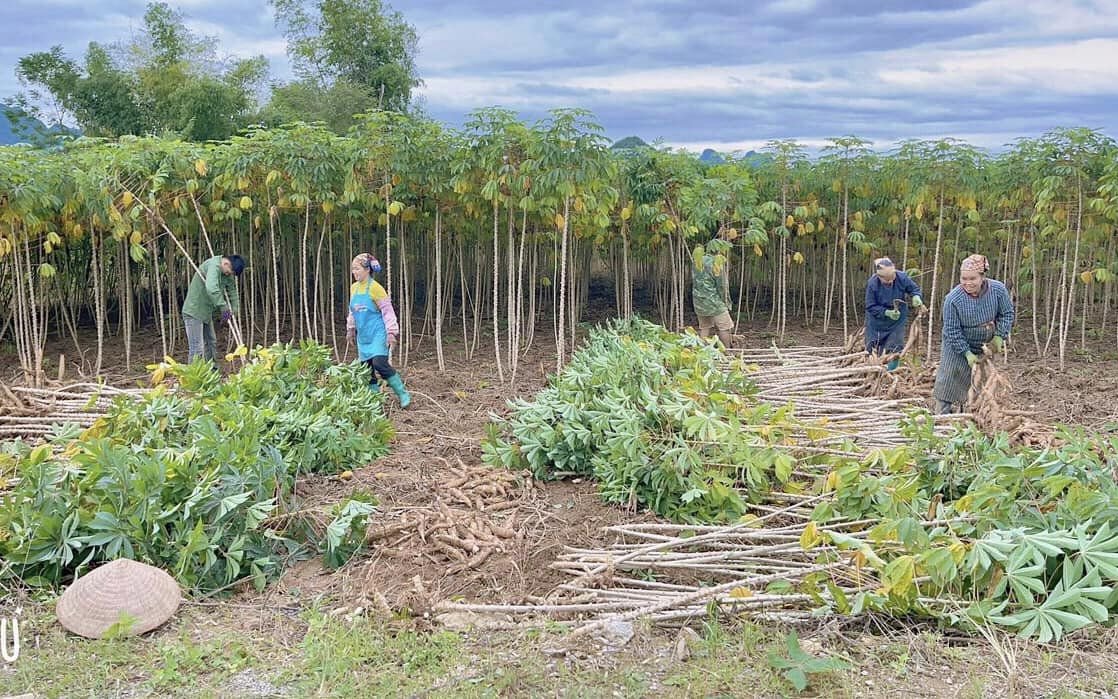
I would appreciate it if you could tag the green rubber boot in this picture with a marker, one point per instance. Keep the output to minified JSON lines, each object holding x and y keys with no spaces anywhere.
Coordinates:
{"x":397,"y":386}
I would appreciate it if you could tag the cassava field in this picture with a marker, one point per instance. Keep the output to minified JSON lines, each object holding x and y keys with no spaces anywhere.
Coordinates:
{"x":584,"y":499}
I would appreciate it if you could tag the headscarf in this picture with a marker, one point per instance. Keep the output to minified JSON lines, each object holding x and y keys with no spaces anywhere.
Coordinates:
{"x":884,"y":269}
{"x":975,"y":263}
{"x":367,"y":261}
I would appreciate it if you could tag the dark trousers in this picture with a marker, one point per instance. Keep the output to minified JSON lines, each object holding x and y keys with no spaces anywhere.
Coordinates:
{"x":379,"y":366}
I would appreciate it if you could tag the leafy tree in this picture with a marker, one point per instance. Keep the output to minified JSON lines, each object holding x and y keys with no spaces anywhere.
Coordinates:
{"x":98,"y":95}
{"x":305,"y":100}
{"x":164,"y":79}
{"x":348,"y":54}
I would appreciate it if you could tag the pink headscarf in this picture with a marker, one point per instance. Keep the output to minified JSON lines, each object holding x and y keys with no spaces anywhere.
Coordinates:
{"x":975,"y":263}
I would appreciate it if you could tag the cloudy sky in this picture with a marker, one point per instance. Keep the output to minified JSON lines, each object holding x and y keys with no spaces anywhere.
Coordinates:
{"x":727,"y":74}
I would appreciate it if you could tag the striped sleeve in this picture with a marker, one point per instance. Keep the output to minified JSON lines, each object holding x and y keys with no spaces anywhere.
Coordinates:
{"x":953,"y":327}
{"x":1005,"y":312}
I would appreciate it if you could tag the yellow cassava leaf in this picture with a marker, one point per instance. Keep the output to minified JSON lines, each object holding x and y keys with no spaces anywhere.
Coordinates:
{"x":136,"y":238}
{"x":757,"y":250}
{"x":789,"y":221}
{"x":200,"y":167}
{"x":560,"y":222}
{"x":127,"y":198}
{"x":246,"y":203}
{"x":798,"y":258}
{"x":1086,"y":277}
{"x":810,"y":536}
{"x":741,"y":593}
{"x":395,"y":208}
{"x":626,"y":213}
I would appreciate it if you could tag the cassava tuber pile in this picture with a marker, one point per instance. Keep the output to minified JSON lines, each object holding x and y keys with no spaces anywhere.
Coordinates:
{"x":477,"y":518}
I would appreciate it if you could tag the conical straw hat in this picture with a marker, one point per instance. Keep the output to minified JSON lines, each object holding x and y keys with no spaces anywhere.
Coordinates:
{"x":134,"y":595}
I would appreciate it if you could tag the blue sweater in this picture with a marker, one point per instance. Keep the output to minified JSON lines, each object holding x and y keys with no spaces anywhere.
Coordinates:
{"x":880,"y":298}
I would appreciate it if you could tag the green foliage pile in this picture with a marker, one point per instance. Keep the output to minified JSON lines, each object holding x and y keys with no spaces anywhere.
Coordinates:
{"x":965,"y":528}
{"x":975,"y":531}
{"x":654,"y":418}
{"x":188,"y":479}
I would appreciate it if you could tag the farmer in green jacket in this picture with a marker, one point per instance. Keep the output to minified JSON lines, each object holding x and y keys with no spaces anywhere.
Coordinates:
{"x":710,"y":289}
{"x":213,"y":289}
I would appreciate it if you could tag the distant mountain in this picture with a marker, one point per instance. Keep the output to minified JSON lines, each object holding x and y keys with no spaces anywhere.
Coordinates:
{"x":629,"y":142}
{"x":711,"y":157}
{"x":18,"y":127}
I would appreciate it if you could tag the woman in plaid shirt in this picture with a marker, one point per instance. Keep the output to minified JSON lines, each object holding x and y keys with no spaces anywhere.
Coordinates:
{"x":976,"y":314}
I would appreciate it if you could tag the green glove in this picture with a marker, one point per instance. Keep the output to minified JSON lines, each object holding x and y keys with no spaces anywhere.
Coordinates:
{"x":972,"y":359}
{"x":917,"y":302}
{"x":893,"y":315}
{"x":999,"y":344}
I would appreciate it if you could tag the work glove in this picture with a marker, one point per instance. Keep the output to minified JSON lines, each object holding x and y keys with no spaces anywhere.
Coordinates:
{"x":893,"y":314}
{"x":972,"y":359}
{"x":226,"y":315}
{"x":917,"y":302}
{"x":999,"y":344}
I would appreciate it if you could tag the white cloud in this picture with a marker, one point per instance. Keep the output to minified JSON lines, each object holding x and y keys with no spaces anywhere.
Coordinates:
{"x":1081,"y":67}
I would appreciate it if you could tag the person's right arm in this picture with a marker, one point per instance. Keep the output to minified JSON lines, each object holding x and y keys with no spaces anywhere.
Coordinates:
{"x":953,"y":329}
{"x":212,"y":275}
{"x":874,"y":308}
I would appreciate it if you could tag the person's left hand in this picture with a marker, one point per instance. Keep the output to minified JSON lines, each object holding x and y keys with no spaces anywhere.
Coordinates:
{"x":391,"y":341}
{"x":917,"y":302}
{"x":999,"y":344}
{"x":226,"y":315}
{"x":893,"y":314}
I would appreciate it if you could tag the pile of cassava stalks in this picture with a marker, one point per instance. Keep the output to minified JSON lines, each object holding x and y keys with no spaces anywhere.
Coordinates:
{"x":34,"y":413}
{"x":989,"y":399}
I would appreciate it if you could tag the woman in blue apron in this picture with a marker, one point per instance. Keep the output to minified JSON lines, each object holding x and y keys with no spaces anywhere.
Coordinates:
{"x":372,"y":322}
{"x":978,"y":313}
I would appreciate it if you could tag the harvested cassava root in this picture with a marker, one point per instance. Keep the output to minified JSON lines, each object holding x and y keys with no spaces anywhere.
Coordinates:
{"x":474,"y":517}
{"x":988,"y":400}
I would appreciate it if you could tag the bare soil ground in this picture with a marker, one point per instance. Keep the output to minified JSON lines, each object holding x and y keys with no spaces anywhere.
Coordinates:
{"x":438,"y":437}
